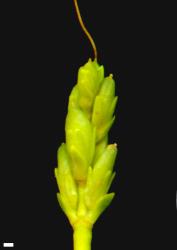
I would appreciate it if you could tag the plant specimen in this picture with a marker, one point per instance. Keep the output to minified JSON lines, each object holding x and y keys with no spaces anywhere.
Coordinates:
{"x":85,"y":161}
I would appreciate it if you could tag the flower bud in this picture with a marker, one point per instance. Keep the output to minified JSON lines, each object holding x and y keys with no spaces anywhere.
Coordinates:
{"x":90,"y":77}
{"x":104,"y":107}
{"x":80,"y":141}
{"x":66,"y":183}
{"x":101,"y":176}
{"x":106,"y":162}
{"x":108,"y":87}
{"x":100,"y":206}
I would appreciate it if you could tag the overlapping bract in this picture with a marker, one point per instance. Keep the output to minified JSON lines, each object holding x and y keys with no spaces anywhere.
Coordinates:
{"x":90,"y":77}
{"x":80,"y":141}
{"x":86,"y":159}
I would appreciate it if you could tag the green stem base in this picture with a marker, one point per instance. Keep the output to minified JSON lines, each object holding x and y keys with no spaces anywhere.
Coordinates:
{"x":82,"y":238}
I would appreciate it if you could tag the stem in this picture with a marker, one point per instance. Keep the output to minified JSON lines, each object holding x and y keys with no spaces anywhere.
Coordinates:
{"x":82,"y":238}
{"x":82,"y":235}
{"x":85,"y":29}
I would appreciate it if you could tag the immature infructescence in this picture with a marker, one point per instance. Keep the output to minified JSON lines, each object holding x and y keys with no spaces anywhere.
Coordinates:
{"x":85,"y":162}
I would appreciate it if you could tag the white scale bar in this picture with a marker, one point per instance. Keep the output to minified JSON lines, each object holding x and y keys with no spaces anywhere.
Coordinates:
{"x":5,"y":244}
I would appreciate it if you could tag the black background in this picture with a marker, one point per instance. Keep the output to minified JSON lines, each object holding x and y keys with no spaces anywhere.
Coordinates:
{"x":42,"y":48}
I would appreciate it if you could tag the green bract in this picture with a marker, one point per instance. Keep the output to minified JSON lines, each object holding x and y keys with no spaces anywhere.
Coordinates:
{"x":80,"y":141}
{"x":90,"y":77}
{"x":85,"y":162}
{"x":103,"y":108}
